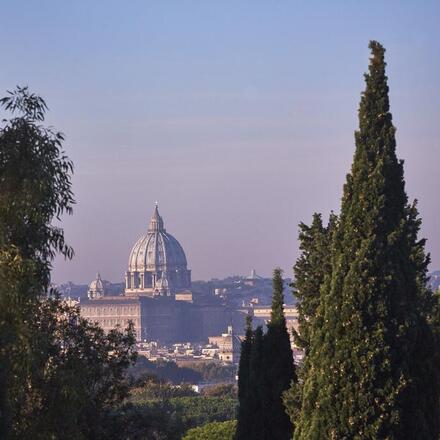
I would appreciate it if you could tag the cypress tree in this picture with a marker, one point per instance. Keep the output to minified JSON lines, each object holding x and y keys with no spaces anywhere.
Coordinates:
{"x":279,"y":368}
{"x":257,"y":391}
{"x":312,"y":266}
{"x":371,"y":373}
{"x":266,"y":370}
{"x":244,"y":417}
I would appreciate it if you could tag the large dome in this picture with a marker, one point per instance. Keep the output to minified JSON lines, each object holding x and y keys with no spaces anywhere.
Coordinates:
{"x":156,"y":249}
{"x":157,"y":263}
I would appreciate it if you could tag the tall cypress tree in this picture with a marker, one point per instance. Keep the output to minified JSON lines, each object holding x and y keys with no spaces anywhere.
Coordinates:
{"x":257,"y":391}
{"x":371,"y":372}
{"x":245,"y":417}
{"x":266,"y":371}
{"x":278,"y":365}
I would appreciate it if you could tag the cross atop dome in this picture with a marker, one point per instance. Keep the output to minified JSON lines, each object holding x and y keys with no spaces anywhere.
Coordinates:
{"x":156,"y":222}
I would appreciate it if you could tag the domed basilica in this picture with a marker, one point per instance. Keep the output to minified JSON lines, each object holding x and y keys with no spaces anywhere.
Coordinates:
{"x":157,"y":264}
{"x":157,"y":297}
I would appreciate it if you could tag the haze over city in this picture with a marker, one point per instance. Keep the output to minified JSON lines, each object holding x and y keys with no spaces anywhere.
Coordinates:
{"x":239,"y":121}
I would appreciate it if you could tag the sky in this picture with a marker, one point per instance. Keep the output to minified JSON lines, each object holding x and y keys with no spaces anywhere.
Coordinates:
{"x":237,"y":117}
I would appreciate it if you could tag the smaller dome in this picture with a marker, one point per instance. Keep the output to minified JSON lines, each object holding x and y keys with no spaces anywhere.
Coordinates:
{"x":97,"y":288}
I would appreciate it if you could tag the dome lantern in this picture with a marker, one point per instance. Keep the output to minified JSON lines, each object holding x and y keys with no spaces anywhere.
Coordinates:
{"x":156,"y":222}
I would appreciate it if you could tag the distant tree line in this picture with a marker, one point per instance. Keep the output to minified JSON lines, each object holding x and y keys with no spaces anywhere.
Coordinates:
{"x":192,"y":373}
{"x":160,"y":410}
{"x":213,"y":431}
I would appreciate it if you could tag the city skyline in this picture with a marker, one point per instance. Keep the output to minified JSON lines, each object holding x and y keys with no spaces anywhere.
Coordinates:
{"x":239,"y":121}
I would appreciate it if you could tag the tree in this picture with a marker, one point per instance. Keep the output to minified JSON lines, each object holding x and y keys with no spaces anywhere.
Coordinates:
{"x":245,"y":417}
{"x":371,"y":373}
{"x":279,"y":368}
{"x":313,"y":265}
{"x":78,"y":379}
{"x":59,"y":374}
{"x":221,"y":390}
{"x":35,"y":184}
{"x":35,"y":188}
{"x":17,"y":291}
{"x":256,"y":401}
{"x":252,"y":387}
{"x":213,"y":431}
{"x":310,"y":270}
{"x":266,"y":370}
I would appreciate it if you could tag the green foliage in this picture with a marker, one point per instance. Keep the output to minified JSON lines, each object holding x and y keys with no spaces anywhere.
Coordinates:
{"x":164,"y":370}
{"x":372,"y":372}
{"x":35,"y":182}
{"x":171,"y":372}
{"x":18,"y":291}
{"x":266,"y":371}
{"x":277,"y":318}
{"x":221,"y":390}
{"x":278,"y":366}
{"x":311,"y":268}
{"x":256,"y":398}
{"x":59,"y":374}
{"x":245,"y":416}
{"x":156,"y":389}
{"x":78,"y":378}
{"x":155,"y":421}
{"x":213,"y":431}
{"x":169,"y":418}
{"x":196,"y":411}
{"x":35,"y":189}
{"x":214,"y":372}
{"x":313,"y":265}
{"x":434,"y":313}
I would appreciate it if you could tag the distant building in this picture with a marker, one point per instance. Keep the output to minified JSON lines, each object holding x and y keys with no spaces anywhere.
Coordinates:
{"x":184,"y":296}
{"x":253,"y":279}
{"x":261,"y":316}
{"x":158,"y":297}
{"x":113,"y":311}
{"x":97,"y":288}
{"x":229,"y":345}
{"x":157,"y":264}
{"x":159,"y":301}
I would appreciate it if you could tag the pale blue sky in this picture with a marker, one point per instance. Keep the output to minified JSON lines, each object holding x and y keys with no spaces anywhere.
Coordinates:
{"x":237,"y":116}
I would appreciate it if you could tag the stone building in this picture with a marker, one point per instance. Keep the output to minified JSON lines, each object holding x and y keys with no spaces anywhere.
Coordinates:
{"x":261,"y":316}
{"x":229,"y":345}
{"x":157,"y":297}
{"x":97,"y":288}
{"x":113,"y":311}
{"x":157,"y":264}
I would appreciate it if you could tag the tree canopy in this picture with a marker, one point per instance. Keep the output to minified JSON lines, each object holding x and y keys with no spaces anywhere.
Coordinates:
{"x":213,"y":431}
{"x":59,"y":374}
{"x":371,"y":372}
{"x":266,"y":371}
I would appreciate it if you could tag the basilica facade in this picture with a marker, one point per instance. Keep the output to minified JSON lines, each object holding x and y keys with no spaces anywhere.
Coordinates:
{"x":157,"y":298}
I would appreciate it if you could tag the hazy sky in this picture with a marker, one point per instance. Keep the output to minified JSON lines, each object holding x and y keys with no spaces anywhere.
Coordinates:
{"x":236,"y":116}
